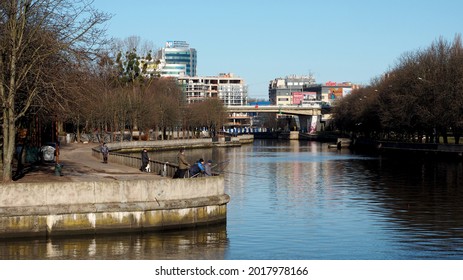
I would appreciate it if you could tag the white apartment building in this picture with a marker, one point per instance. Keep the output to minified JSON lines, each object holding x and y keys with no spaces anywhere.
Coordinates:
{"x":230,"y":89}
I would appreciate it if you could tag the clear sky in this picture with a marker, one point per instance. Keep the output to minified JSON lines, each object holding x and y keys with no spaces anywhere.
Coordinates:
{"x":260,"y":40}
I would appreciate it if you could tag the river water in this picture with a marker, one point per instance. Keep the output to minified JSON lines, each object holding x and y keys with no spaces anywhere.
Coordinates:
{"x":299,"y":200}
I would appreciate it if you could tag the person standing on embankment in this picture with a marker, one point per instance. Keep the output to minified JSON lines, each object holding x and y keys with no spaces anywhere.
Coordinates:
{"x":183,"y":165}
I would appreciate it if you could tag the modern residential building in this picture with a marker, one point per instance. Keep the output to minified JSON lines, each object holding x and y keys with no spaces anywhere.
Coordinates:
{"x":176,"y":59}
{"x":281,"y":89}
{"x":230,"y":89}
{"x":179,"y":61}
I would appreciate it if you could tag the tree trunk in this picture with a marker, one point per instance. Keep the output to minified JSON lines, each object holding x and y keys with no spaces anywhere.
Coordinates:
{"x":9,"y":138}
{"x":9,"y":125}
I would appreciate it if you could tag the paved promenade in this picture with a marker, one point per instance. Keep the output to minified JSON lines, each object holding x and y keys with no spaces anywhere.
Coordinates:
{"x":79,"y":165}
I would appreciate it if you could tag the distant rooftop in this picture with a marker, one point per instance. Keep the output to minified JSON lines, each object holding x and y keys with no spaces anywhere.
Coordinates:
{"x":177,"y":44}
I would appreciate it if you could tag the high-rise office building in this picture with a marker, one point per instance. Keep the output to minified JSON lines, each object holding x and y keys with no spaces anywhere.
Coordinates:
{"x":177,"y":59}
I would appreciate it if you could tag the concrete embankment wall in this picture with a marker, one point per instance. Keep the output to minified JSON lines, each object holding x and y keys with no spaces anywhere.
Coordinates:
{"x":180,"y":143}
{"x":160,"y":145}
{"x":47,"y":209}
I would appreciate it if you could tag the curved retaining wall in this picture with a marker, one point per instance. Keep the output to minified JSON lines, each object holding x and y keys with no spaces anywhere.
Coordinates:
{"x":160,"y":145}
{"x":47,"y":209}
{"x":179,"y":143}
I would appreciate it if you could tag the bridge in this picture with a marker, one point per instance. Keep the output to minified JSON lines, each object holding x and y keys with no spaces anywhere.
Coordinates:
{"x":298,"y":110}
{"x":309,"y":116}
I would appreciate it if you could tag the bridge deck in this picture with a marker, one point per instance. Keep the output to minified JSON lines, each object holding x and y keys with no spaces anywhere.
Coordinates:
{"x":286,"y":109}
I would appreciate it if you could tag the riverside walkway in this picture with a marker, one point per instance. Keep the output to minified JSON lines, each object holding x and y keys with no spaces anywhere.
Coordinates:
{"x":93,"y":197}
{"x":80,"y":165}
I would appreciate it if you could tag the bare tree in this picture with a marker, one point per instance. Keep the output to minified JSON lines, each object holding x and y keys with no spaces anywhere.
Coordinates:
{"x":455,"y":74}
{"x":210,"y":113}
{"x":421,"y":95}
{"x":34,"y":36}
{"x":168,"y":103}
{"x":131,"y":56}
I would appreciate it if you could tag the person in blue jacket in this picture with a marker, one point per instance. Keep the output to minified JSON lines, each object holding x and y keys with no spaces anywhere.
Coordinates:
{"x":197,"y":168}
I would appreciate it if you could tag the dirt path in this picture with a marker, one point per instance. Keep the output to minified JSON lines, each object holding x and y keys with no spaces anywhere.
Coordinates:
{"x":78,"y":164}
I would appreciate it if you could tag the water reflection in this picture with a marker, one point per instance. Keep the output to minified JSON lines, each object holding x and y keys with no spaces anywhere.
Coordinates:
{"x":422,"y":199}
{"x":300,"y":200}
{"x":315,"y":203}
{"x":202,"y":243}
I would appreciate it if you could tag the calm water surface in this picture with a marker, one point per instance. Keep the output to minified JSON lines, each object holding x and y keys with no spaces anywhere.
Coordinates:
{"x":299,"y":200}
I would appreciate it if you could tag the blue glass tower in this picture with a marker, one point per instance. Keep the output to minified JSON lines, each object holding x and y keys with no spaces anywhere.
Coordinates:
{"x":178,"y":55}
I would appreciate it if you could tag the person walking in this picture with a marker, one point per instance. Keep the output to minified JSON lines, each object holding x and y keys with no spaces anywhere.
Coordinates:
{"x":105,"y":152}
{"x":183,"y":165}
{"x":145,"y":160}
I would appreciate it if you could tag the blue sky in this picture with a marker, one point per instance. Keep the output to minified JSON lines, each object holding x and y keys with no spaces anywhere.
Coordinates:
{"x":260,"y":40}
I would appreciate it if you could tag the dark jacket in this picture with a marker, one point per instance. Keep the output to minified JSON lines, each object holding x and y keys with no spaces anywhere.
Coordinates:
{"x":145,"y":158}
{"x":196,"y":168}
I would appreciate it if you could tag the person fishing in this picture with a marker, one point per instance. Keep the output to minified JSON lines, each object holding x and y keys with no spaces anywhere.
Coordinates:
{"x":197,"y":168}
{"x":208,"y":168}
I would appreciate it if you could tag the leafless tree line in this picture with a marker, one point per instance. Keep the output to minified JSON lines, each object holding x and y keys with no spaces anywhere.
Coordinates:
{"x":56,"y":65}
{"x":153,"y":107}
{"x":43,"y":44}
{"x":420,"y":99}
{"x":122,"y":98}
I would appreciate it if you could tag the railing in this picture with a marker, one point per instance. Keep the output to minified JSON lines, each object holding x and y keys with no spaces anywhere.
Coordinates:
{"x":164,"y":169}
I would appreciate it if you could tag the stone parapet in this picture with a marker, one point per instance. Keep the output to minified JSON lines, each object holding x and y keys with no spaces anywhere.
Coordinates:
{"x":44,"y":209}
{"x":160,"y":145}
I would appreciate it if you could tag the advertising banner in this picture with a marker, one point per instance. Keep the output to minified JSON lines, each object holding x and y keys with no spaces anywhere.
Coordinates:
{"x":313,"y":124}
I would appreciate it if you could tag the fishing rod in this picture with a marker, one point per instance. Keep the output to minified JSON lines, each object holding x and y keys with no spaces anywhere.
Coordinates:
{"x":244,"y":174}
{"x":225,"y":163}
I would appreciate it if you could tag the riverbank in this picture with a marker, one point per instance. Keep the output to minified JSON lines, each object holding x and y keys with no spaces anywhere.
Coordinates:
{"x":82,"y":161}
{"x":401,"y":149}
{"x":90,"y":197}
